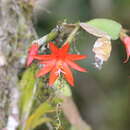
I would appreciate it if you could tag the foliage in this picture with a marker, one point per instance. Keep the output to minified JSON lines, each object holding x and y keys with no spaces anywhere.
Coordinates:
{"x":31,"y":87}
{"x":38,"y":116}
{"x":111,"y":27}
{"x":28,"y":88}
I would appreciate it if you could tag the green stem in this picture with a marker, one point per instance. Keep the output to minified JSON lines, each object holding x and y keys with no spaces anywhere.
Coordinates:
{"x":49,"y":37}
{"x":72,"y":34}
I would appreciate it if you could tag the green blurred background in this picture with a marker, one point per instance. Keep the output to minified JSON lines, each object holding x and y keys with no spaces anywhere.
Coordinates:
{"x":101,"y":96}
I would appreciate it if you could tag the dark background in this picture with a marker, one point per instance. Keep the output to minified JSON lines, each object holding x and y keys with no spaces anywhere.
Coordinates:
{"x":101,"y":96}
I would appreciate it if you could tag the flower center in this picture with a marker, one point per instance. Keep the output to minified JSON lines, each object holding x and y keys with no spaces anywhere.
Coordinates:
{"x":59,"y":71}
{"x":59,"y":68}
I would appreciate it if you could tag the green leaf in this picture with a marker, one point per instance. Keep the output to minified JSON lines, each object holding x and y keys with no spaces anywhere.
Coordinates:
{"x":36,"y":118}
{"x":62,"y":88}
{"x":28,"y":88}
{"x":66,"y":90}
{"x":57,"y":100}
{"x":40,"y":121}
{"x":41,"y":110}
{"x":74,"y":128}
{"x":111,"y":27}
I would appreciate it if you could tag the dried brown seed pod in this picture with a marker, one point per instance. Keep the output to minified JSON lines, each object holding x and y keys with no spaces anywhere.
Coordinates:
{"x":102,"y":49}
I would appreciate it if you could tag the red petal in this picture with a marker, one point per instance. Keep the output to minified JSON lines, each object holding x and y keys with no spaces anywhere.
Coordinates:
{"x":127,"y":58}
{"x":45,"y":70}
{"x":76,"y":57}
{"x":68,"y":74}
{"x":29,"y":60}
{"x":53,"y":61}
{"x":45,"y":62}
{"x":126,"y":42}
{"x":53,"y":47}
{"x":53,"y":76}
{"x":75,"y":66}
{"x":43,"y":57}
{"x":33,"y":50}
{"x":65,"y":48}
{"x":128,"y":55}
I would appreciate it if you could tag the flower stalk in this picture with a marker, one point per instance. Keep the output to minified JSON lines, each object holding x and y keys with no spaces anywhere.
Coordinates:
{"x":72,"y":34}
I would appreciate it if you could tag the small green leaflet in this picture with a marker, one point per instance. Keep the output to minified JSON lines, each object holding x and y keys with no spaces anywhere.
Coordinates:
{"x":103,"y":27}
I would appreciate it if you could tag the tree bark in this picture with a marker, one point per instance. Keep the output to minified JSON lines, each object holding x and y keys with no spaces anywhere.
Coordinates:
{"x":16,"y":33}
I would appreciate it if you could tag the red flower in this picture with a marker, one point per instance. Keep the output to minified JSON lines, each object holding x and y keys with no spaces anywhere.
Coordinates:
{"x":33,"y":50}
{"x":126,"y":41}
{"x":59,"y":62}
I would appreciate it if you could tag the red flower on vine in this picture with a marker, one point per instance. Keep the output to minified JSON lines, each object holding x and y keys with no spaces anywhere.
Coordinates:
{"x":33,"y":50}
{"x":59,"y":61}
{"x":126,"y":42}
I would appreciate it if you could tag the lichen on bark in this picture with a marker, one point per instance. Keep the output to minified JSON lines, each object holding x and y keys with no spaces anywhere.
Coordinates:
{"x":16,"y":33}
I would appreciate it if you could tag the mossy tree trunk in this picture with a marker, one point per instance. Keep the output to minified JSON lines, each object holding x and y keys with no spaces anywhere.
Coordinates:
{"x":16,"y":33}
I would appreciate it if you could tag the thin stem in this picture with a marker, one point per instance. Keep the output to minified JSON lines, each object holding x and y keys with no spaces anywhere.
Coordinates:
{"x":72,"y":34}
{"x":69,"y":25}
